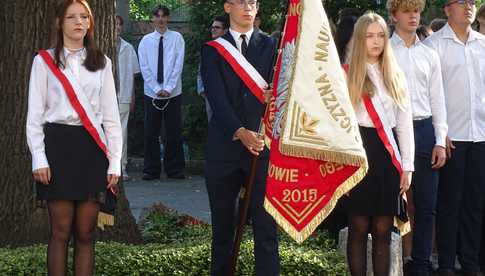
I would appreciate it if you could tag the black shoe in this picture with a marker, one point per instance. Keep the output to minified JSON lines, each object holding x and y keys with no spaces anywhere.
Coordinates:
{"x":470,"y":273}
{"x":176,"y":176}
{"x":407,"y":268}
{"x":420,"y":273}
{"x":411,"y":269}
{"x":147,"y":176}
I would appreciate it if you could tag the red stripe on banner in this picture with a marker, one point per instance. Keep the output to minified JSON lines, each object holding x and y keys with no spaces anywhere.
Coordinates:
{"x":381,"y":132}
{"x":71,"y":95}
{"x":245,"y":77}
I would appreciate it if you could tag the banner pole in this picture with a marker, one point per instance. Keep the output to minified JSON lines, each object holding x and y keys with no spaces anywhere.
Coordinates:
{"x":246,"y":190}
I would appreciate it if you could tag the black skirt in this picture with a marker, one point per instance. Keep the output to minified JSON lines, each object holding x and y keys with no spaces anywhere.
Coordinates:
{"x":378,"y":193}
{"x":78,"y":166}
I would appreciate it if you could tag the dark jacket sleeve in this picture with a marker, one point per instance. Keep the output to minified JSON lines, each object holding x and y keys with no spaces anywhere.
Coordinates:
{"x":215,"y":91}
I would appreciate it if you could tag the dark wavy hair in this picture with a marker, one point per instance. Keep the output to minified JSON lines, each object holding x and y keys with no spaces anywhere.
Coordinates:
{"x":224,"y":19}
{"x":95,"y":59}
{"x":344,"y":32}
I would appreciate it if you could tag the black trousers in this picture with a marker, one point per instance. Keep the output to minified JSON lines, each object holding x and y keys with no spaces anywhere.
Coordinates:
{"x":173,"y":160}
{"x":424,"y":187}
{"x":482,"y":249}
{"x":460,"y":206}
{"x":224,"y":181}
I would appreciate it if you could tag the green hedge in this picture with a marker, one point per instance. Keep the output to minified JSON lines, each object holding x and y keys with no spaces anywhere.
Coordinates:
{"x":180,"y":245}
{"x":155,"y":259}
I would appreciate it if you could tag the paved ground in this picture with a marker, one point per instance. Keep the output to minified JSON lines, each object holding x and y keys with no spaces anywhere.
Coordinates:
{"x":187,"y":196}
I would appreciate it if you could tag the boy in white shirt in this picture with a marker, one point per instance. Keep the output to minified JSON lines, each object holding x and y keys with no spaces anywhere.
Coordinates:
{"x":161,"y":55}
{"x":461,"y":190}
{"x":421,"y":66}
{"x":127,"y":69}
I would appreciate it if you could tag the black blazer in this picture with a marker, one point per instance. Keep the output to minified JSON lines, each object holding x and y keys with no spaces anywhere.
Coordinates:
{"x":234,"y":106}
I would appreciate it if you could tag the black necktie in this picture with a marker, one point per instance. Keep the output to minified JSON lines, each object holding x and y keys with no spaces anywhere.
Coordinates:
{"x":160,"y":61}
{"x":244,"y":45}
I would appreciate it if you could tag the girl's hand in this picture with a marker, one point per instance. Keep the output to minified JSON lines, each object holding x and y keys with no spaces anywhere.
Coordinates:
{"x":405,"y":182}
{"x":113,"y":181}
{"x":42,"y":175}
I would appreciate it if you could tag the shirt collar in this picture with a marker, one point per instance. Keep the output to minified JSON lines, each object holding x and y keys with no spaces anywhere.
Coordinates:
{"x":450,"y":34}
{"x":158,"y":35}
{"x":372,"y":67}
{"x":81,"y":53}
{"x":236,"y":34}
{"x":397,"y":40}
{"x":123,"y":44}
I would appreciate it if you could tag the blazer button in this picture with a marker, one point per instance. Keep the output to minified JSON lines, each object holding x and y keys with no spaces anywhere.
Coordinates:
{"x":245,"y":94}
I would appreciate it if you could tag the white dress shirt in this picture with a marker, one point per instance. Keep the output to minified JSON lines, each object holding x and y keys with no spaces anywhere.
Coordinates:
{"x":237,"y":37}
{"x":422,"y":68}
{"x":48,"y":103}
{"x":127,"y":68}
{"x":463,"y":69}
{"x":173,"y":62}
{"x":398,"y":118}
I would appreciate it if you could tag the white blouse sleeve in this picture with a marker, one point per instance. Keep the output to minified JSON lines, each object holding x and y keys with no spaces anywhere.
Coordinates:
{"x":35,"y":113}
{"x":405,"y":134}
{"x":111,"y":120}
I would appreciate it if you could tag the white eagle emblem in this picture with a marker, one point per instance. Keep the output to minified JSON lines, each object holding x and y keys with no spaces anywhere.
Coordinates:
{"x":286,"y":72}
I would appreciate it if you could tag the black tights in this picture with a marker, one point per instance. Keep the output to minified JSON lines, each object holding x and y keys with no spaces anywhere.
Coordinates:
{"x":68,"y":217}
{"x":380,"y":229}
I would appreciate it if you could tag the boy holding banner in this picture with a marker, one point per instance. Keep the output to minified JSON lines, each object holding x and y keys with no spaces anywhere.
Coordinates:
{"x":235,"y":69}
{"x":422,"y":68}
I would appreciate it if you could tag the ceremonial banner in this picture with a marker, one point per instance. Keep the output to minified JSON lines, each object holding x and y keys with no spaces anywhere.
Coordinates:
{"x":316,"y":150}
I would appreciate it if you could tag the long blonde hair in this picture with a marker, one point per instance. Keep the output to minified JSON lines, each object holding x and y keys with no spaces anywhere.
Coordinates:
{"x":358,"y":81}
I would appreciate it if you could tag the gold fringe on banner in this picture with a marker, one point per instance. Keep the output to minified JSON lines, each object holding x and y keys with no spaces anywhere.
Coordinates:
{"x":105,"y":219}
{"x":327,"y":155}
{"x":404,"y":227}
{"x":267,"y":141}
{"x":301,"y":236}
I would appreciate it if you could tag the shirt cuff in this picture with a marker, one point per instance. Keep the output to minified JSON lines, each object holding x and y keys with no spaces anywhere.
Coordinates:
{"x":114,"y":167}
{"x":440,"y":140}
{"x":408,"y":166}
{"x":168,"y":89}
{"x":157,"y":89}
{"x":39,"y":161}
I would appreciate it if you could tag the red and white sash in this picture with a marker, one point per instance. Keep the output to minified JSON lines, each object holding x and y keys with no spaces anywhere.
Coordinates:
{"x":78,"y":101}
{"x":248,"y":74}
{"x":384,"y":130}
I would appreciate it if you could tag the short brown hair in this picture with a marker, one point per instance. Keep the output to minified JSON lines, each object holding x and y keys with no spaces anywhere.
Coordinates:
{"x":122,"y":22}
{"x":394,"y":5}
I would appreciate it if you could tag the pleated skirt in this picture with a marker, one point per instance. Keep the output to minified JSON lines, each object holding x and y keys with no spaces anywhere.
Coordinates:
{"x":78,"y":166}
{"x":378,"y":193}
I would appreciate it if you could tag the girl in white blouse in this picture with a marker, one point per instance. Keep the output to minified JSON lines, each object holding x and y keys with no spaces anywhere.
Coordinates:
{"x":73,"y":172}
{"x":374,"y":77}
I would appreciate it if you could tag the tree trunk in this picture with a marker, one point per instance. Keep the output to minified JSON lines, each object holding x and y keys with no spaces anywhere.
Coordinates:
{"x":25,"y":27}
